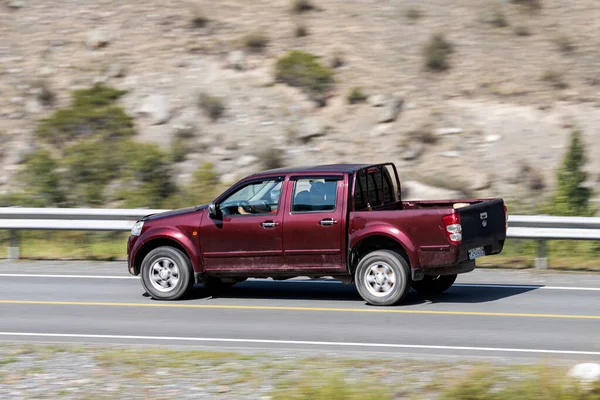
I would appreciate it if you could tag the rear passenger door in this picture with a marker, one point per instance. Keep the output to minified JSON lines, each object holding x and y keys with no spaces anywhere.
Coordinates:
{"x":314,"y":224}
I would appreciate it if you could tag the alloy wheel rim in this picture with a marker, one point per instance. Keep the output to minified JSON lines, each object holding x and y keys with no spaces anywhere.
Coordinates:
{"x":164,"y":274}
{"x":380,"y":279}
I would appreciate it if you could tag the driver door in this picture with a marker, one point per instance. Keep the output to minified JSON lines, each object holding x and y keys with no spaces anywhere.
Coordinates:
{"x":246,"y":238}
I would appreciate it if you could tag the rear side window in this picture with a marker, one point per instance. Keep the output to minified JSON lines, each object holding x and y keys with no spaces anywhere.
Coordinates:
{"x":374,"y":187}
{"x":312,"y":195}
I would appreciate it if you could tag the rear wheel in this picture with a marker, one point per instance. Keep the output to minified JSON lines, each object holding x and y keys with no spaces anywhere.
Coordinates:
{"x":383,"y":278}
{"x":434,"y":284}
{"x":167,"y":273}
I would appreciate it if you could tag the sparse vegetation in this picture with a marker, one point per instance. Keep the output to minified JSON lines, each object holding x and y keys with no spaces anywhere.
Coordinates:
{"x":564,"y":44}
{"x":436,"y":52}
{"x":424,"y":134}
{"x":522,"y":30}
{"x":93,"y":113}
{"x":198,"y":17}
{"x":45,"y":95}
{"x":299,"y":6}
{"x":498,"y":18}
{"x":356,"y":95}
{"x":301,"y":69}
{"x":329,"y":386}
{"x":256,"y":42}
{"x":301,"y":30}
{"x":272,"y":159}
{"x":212,"y":105}
{"x":298,"y":378}
{"x":555,"y":78}
{"x":413,"y":14}
{"x":102,"y":164}
{"x":531,"y":4}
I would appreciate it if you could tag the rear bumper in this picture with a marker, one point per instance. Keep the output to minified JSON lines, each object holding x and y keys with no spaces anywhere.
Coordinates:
{"x":452,"y":260}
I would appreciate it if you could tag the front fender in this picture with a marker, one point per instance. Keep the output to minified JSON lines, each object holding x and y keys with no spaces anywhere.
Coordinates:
{"x":390,"y":232}
{"x":162,"y":236}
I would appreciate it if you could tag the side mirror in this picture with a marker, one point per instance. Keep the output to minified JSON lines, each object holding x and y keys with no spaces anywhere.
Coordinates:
{"x":212,"y":210}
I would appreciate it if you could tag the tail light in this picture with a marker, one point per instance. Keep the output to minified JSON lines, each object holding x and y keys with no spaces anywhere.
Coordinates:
{"x":505,"y":218}
{"x":453,"y":228}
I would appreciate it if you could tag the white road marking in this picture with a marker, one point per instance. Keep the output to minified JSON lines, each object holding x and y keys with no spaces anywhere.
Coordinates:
{"x":476,"y":285}
{"x":331,"y":282}
{"x":300,"y":342}
{"x":67,"y":276}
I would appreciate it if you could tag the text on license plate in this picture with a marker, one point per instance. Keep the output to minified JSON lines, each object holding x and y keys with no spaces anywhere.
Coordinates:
{"x":476,"y":253}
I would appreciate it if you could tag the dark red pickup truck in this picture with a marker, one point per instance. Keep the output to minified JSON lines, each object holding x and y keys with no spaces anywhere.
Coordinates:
{"x":346,"y":221}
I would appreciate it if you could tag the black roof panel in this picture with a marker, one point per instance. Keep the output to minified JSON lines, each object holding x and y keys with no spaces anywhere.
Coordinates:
{"x":340,"y":168}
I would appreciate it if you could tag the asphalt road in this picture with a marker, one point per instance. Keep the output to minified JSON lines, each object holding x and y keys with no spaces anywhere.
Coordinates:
{"x":516,"y":315}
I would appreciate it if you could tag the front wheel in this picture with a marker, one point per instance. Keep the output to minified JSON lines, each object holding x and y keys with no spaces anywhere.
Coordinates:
{"x":383,"y":278}
{"x":167,"y":273}
{"x":434,"y":284}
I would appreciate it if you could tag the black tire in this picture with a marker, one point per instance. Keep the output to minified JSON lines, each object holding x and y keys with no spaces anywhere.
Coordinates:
{"x":434,"y":284}
{"x":216,"y":286}
{"x":174,"y":260}
{"x":380,"y":261}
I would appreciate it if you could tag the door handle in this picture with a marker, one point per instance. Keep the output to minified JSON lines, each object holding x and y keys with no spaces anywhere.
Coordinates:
{"x":269,"y":224}
{"x":328,"y":221}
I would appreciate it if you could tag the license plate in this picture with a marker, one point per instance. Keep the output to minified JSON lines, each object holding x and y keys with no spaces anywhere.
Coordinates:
{"x":476,"y":253}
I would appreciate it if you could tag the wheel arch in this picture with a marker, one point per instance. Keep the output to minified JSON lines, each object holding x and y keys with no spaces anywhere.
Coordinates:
{"x":156,"y":242}
{"x":380,"y":241}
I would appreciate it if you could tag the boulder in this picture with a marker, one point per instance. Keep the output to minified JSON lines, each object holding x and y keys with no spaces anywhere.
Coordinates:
{"x":413,"y":151}
{"x":97,"y":39}
{"x":157,"y":108}
{"x":391,"y":110}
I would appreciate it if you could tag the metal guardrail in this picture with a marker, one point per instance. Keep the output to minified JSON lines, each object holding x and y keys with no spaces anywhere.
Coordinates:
{"x":14,"y":219}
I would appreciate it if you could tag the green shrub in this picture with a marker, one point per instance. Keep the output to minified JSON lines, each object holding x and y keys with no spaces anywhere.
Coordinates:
{"x":93,"y":112}
{"x":92,"y":149}
{"x":212,"y":105}
{"x":356,"y":95}
{"x":147,"y":177}
{"x":572,"y":197}
{"x":301,"y":69}
{"x":436,"y":51}
{"x":42,"y":180}
{"x":256,"y":42}
{"x":204,"y":188}
{"x":179,"y":150}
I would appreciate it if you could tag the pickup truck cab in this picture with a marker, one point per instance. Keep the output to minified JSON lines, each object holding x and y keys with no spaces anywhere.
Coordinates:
{"x":345,"y":221}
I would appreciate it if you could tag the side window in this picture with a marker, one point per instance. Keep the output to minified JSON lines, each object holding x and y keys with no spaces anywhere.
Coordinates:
{"x":261,"y":197}
{"x":313,"y":195}
{"x":374,"y":187}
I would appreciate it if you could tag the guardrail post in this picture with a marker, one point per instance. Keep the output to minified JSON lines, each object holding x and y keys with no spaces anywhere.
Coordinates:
{"x":13,"y":245}
{"x":541,"y":260}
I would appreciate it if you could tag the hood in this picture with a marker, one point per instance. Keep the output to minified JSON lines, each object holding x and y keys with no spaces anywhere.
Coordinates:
{"x":172,"y":213}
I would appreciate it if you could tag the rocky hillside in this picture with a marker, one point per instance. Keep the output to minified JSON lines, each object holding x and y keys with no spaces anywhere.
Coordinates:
{"x":469,"y":96}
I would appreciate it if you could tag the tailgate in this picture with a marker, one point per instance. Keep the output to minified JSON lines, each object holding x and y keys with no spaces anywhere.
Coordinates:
{"x":483,"y":223}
